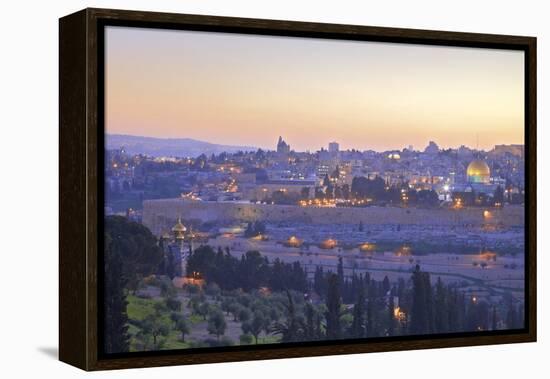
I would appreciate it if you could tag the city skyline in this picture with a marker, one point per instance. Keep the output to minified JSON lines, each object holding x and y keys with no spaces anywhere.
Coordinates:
{"x":236,"y":89}
{"x":273,"y":146}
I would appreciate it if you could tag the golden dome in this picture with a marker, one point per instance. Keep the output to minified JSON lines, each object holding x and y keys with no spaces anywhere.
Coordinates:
{"x":478,"y":172}
{"x":179,"y":227}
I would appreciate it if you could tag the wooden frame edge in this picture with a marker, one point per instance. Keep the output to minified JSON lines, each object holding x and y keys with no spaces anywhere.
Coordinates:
{"x":72,"y":194}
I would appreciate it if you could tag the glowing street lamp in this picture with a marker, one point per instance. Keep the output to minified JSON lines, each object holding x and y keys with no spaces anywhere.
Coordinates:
{"x":293,"y":241}
{"x":329,"y":244}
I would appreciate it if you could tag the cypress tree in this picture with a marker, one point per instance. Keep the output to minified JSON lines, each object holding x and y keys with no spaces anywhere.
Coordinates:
{"x":116,"y":338}
{"x":385,"y":285}
{"x":441,"y":319}
{"x":340,"y":272}
{"x":289,"y":329}
{"x":371,"y":314}
{"x":311,"y":329}
{"x":319,"y":281}
{"x":358,"y":324}
{"x":421,"y":311}
{"x":333,"y":302}
{"x":391,"y":317}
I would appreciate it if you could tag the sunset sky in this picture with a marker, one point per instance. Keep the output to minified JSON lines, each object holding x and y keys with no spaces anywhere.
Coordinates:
{"x":237,"y":89}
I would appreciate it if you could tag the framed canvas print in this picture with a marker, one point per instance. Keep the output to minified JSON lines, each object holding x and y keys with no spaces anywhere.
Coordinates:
{"x":237,"y":189}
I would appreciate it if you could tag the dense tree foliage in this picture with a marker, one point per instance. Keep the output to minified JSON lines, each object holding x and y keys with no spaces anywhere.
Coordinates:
{"x":116,"y":319}
{"x":290,"y":327}
{"x":130,"y":253}
{"x":422,"y":309}
{"x":276,"y":301}
{"x":334,"y":305}
{"x":136,"y":246}
{"x":216,"y":323}
{"x":362,"y":187}
{"x":251,"y":271}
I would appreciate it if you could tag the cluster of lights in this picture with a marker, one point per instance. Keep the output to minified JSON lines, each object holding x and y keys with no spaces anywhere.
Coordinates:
{"x":116,"y":165}
{"x":458,"y":203}
{"x":367,"y":246}
{"x":358,"y":201}
{"x":166,"y":159}
{"x":404,"y":196}
{"x":190,"y":196}
{"x":403,"y":251}
{"x":232,"y":186}
{"x":318,"y":203}
{"x":226,"y":168}
{"x":195,"y":278}
{"x":399,"y":315}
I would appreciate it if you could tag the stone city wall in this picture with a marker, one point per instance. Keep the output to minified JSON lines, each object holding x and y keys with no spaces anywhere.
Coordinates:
{"x":160,"y":215}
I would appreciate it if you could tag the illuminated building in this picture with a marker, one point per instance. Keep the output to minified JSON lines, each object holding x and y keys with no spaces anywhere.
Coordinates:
{"x":478,"y":172}
{"x":322,"y":170}
{"x":174,"y":248}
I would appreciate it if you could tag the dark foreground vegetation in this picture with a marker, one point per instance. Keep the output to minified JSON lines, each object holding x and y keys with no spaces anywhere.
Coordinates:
{"x":251,"y":300}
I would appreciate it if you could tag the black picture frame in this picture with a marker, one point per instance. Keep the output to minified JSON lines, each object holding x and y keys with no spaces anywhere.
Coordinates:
{"x":81,"y":74}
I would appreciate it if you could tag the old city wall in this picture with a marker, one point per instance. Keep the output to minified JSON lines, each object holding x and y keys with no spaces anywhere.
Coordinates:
{"x":160,"y":214}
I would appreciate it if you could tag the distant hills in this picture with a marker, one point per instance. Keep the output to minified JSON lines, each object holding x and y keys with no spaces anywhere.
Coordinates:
{"x":168,"y":147}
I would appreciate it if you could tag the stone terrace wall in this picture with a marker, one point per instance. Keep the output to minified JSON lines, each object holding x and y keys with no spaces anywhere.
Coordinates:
{"x":158,"y":215}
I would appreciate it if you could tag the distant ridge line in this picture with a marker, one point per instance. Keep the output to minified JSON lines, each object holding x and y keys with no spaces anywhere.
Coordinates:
{"x":175,"y":147}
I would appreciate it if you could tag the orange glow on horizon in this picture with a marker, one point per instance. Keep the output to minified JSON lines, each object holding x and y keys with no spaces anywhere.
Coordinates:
{"x":208,"y":86}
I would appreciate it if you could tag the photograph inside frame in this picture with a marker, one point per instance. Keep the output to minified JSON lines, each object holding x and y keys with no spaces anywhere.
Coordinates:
{"x":267,"y":189}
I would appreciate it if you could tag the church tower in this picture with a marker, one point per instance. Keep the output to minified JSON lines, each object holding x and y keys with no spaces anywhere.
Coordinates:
{"x":179,"y":234}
